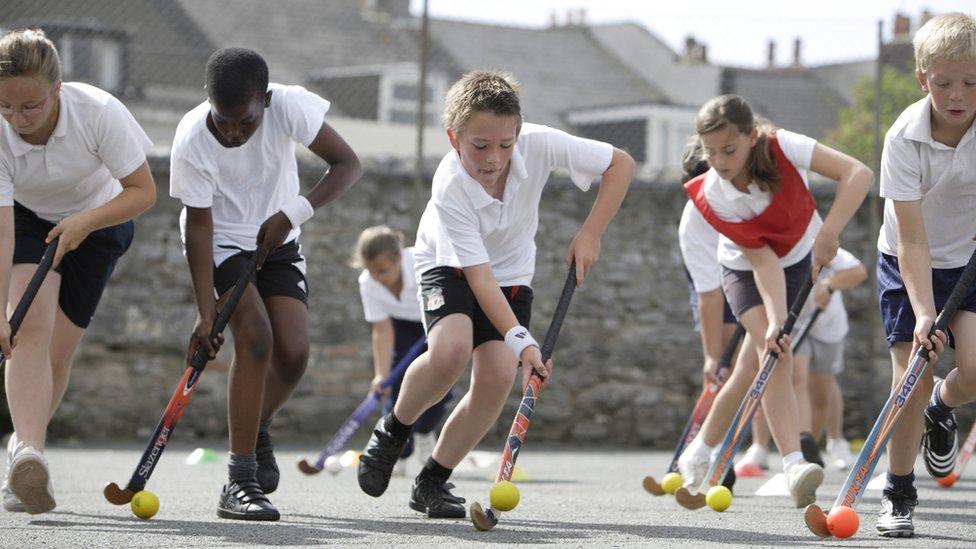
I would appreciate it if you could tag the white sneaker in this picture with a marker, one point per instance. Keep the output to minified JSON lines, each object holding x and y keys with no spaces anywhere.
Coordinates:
{"x":10,"y":501}
{"x":693,"y":469}
{"x":839,"y":454}
{"x":755,"y":455}
{"x":30,"y":480}
{"x":803,"y":479}
{"x":423,"y":447}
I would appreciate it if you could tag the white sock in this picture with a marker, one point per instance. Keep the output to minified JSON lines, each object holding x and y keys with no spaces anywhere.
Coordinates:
{"x":792,"y":459}
{"x":699,"y":450}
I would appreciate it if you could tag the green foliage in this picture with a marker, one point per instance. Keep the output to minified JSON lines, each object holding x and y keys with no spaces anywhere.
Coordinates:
{"x":855,"y":133}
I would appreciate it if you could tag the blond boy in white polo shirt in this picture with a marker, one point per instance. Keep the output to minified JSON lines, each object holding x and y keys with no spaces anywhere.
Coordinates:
{"x":474,"y":259}
{"x":73,"y":166}
{"x":928,"y":178}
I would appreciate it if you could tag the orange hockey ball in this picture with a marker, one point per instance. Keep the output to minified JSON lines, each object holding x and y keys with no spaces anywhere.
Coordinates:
{"x":842,"y":522}
{"x":947,"y":481}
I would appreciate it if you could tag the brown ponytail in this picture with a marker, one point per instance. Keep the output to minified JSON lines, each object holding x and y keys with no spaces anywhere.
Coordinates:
{"x":29,"y":52}
{"x":731,"y":110}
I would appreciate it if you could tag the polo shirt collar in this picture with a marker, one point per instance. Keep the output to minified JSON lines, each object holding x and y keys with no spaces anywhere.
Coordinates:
{"x":919,"y":128}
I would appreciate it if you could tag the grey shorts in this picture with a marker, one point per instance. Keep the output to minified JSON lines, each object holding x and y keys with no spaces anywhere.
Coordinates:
{"x":825,"y":358}
{"x":742,"y":293}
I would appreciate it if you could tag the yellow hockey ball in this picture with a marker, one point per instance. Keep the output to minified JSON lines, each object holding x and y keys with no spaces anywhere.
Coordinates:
{"x":718,"y":498}
{"x":144,"y":504}
{"x":504,"y":496}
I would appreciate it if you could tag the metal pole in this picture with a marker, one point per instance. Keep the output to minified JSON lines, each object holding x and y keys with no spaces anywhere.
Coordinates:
{"x":420,"y":183}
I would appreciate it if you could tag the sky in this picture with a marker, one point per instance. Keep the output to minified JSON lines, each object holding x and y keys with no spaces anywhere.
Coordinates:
{"x":736,"y":32}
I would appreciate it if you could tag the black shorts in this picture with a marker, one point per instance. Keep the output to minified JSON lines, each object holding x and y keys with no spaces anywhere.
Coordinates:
{"x":84,"y":271}
{"x":743,"y":294}
{"x":283,"y":273}
{"x":445,"y":291}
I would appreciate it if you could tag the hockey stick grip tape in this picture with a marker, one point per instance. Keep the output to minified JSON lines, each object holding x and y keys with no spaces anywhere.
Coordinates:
{"x":33,"y":286}
{"x":200,"y":356}
{"x":549,"y":343}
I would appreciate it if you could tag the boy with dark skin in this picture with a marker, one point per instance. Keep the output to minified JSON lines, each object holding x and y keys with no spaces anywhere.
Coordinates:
{"x":234,"y":168}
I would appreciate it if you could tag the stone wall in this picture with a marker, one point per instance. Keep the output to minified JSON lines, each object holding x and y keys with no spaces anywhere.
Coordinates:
{"x":627,"y":363}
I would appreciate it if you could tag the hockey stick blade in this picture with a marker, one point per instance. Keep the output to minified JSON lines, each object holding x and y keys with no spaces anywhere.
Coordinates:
{"x":483,"y":520}
{"x":688,"y":500}
{"x":652,"y":486}
{"x":816,"y":519}
{"x":116,"y":495}
{"x":308,"y":468}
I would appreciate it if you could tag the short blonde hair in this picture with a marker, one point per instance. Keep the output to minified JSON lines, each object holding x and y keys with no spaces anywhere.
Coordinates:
{"x":375,"y":241}
{"x":491,"y":91}
{"x":29,"y":52}
{"x":950,"y":37}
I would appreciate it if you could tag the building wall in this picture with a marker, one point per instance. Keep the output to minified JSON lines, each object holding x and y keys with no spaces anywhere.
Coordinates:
{"x":627,"y":364}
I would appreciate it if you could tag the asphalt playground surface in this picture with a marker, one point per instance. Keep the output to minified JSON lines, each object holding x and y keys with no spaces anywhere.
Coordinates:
{"x":573,"y":498}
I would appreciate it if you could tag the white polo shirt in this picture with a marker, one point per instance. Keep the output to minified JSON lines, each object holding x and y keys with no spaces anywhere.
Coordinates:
{"x":832,"y":324}
{"x":699,"y":248}
{"x":244,"y":186}
{"x":732,"y":205}
{"x":96,"y":142}
{"x":916,"y":167}
{"x":464,"y":226}
{"x":379,"y":303}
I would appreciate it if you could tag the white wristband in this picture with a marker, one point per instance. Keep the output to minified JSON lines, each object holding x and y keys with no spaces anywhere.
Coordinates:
{"x":517,"y":339}
{"x":298,"y":210}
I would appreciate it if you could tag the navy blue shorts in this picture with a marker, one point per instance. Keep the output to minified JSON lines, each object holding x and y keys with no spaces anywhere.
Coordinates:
{"x":727,"y":316}
{"x":84,"y":271}
{"x":406,"y":333}
{"x":896,"y":309}
{"x":283,"y":273}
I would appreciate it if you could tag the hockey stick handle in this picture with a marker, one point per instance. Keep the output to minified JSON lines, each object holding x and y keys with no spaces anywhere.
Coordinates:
{"x":556,"y":324}
{"x":725,"y":361}
{"x":806,"y":328}
{"x":200,"y":356}
{"x":795,"y":310}
{"x":396,"y":374}
{"x":33,"y":286}
{"x":955,"y":299}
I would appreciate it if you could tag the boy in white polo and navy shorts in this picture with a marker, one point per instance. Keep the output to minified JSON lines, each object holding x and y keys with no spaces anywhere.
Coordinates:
{"x":474,"y":258}
{"x":388,"y":289}
{"x":233,"y":166}
{"x":928,"y":178}
{"x":73,"y":167}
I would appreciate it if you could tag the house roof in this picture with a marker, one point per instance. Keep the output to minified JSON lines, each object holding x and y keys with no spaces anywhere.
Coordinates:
{"x":164,"y":46}
{"x":794,"y":99}
{"x":560,"y":68}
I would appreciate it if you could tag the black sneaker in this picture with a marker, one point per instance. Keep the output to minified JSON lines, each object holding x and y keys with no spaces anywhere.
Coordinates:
{"x":939,"y":443}
{"x":895,"y":518}
{"x":376,"y":464}
{"x":267,"y":474}
{"x":434,"y":498}
{"x":729,"y":480}
{"x":245,"y":501}
{"x":810,"y":449}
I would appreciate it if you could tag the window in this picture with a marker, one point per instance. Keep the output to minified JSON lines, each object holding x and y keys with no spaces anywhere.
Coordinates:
{"x":93,"y":57}
{"x":401,"y":99}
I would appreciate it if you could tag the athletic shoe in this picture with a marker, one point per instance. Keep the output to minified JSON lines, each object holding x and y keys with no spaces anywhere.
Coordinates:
{"x":803,"y":479}
{"x":245,"y":501}
{"x":378,"y":459}
{"x":939,"y":442}
{"x":423,"y":447}
{"x":692,"y":469}
{"x":810,"y":449}
{"x":839,"y":454}
{"x":10,"y":501}
{"x":758,"y":455}
{"x":267,"y":474}
{"x":435,"y":498}
{"x":895,"y":518}
{"x":30,"y":480}
{"x":729,"y":480}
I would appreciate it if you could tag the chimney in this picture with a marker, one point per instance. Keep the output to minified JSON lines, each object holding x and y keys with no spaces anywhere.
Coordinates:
{"x":771,"y":54}
{"x":690,"y":44}
{"x":903,"y":27}
{"x":582,"y":17}
{"x":926,"y":15}
{"x":553,"y":19}
{"x":797,"y":47}
{"x":703,"y":53}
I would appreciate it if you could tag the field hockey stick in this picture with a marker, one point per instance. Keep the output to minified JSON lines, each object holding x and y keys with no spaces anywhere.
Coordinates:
{"x":365,"y":408}
{"x":179,"y":400}
{"x":965,"y":453}
{"x":743,"y":417}
{"x":486,"y":519}
{"x":867,"y":459}
{"x":702,"y":406}
{"x":806,"y":329}
{"x":30,"y":292}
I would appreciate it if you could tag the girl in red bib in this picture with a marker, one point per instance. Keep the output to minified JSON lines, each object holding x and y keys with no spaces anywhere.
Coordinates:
{"x":756,"y":195}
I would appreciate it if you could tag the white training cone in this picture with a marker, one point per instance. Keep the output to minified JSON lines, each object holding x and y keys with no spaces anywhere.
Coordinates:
{"x":877,"y":483}
{"x":775,"y":486}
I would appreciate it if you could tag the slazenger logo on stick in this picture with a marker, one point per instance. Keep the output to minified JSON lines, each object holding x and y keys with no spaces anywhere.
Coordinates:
{"x":151,"y":460}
